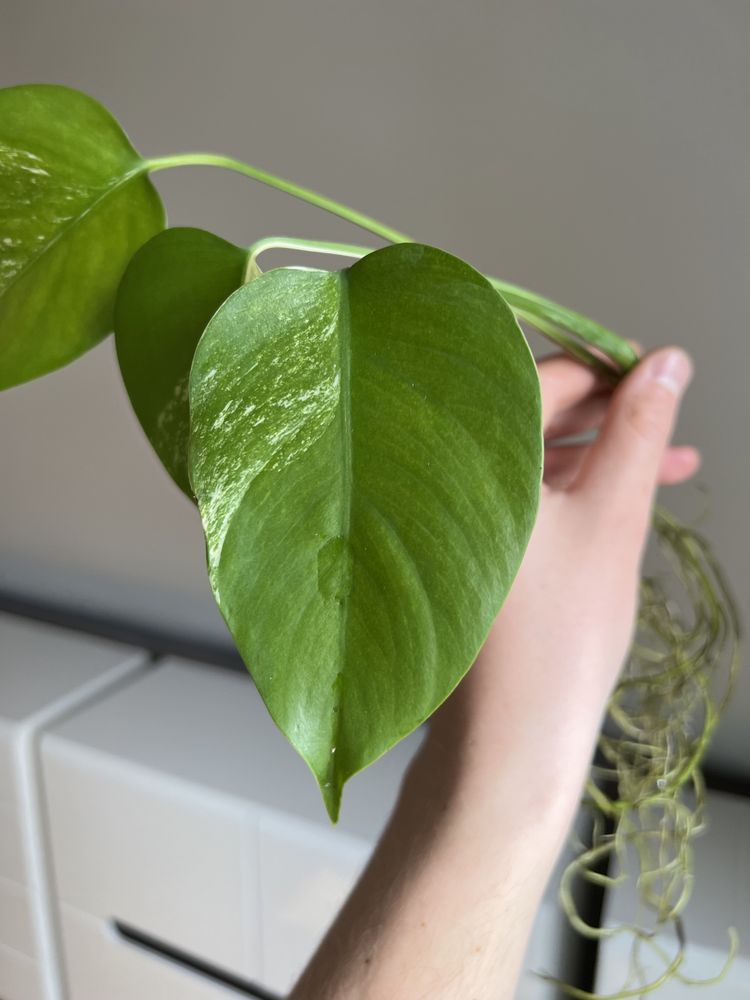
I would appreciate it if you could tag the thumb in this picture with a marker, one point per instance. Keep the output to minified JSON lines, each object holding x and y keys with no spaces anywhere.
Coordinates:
{"x":622,"y":468}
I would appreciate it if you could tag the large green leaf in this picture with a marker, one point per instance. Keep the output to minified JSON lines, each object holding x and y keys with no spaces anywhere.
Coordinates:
{"x":170,"y":290}
{"x":366,"y":452}
{"x":75,"y":203}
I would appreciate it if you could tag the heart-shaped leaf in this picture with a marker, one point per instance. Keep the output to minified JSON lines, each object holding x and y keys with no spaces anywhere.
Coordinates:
{"x":75,"y":203}
{"x":170,"y":290}
{"x":366,"y":452}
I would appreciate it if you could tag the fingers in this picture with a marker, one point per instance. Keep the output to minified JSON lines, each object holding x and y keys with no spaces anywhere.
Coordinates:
{"x":564,"y":383}
{"x":575,"y":399}
{"x":678,"y":465}
{"x":622,"y":467}
{"x":586,"y":415}
{"x":563,"y":463}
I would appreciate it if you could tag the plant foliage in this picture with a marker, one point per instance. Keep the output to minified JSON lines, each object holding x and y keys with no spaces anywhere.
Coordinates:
{"x":365,"y":449}
{"x":75,"y":204}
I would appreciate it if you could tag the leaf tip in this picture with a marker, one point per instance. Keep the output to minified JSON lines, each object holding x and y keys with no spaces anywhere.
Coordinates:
{"x":331,"y":792}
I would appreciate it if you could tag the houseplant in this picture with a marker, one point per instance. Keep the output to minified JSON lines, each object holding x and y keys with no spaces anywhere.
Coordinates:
{"x":365,"y":450}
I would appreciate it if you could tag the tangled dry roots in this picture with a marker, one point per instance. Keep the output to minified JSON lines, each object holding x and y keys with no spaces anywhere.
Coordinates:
{"x":646,"y":792}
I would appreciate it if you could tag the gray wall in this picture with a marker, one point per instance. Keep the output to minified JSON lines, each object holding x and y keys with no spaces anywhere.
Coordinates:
{"x":596,"y":150}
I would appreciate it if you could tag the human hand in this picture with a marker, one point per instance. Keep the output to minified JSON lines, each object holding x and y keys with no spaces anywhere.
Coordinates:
{"x":540,"y":685}
{"x":445,"y":906}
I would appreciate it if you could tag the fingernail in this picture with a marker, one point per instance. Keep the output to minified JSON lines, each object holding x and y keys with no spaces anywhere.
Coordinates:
{"x":673,"y":369}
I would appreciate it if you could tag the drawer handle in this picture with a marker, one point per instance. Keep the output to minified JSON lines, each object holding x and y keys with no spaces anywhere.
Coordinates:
{"x":196,"y":965}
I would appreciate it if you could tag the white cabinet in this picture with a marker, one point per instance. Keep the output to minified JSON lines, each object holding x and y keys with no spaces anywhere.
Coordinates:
{"x":177,"y":809}
{"x":45,"y":673}
{"x":160,"y":839}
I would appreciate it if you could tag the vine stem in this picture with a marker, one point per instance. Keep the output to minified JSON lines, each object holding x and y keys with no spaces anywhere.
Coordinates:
{"x":293,"y":243}
{"x":295,"y":190}
{"x":552,"y":321}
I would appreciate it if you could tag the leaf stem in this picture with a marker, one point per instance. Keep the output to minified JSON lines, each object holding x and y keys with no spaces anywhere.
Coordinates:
{"x":609,"y":343}
{"x":264,"y":177}
{"x":293,"y":243}
{"x":563,"y":339}
{"x":553,"y":321}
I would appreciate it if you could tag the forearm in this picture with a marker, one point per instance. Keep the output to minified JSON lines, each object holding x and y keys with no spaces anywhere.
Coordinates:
{"x":445,"y":907}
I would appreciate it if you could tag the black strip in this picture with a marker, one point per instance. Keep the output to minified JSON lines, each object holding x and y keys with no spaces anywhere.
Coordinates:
{"x":732,"y":784}
{"x":182,"y":958}
{"x":164,"y":642}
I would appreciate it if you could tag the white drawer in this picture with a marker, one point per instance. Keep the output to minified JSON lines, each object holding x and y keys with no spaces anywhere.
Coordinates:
{"x":7,"y":761}
{"x":102,"y":966}
{"x":172,"y":859}
{"x":154,"y":799}
{"x":306,"y":873}
{"x":12,"y":863}
{"x":19,"y":976}
{"x":16,"y":929}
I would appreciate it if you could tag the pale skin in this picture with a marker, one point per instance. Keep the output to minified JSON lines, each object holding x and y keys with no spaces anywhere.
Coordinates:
{"x":445,"y":907}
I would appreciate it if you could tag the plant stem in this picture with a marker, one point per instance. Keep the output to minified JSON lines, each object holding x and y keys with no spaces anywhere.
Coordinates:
{"x":563,"y":339}
{"x":614,"y":346}
{"x":293,"y":243}
{"x":553,"y":321}
{"x":304,"y":194}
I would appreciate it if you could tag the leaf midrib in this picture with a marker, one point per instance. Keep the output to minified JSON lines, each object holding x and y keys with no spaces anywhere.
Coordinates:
{"x":345,"y":426}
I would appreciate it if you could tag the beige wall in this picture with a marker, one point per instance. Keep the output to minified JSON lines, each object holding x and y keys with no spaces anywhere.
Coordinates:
{"x":596,"y":150}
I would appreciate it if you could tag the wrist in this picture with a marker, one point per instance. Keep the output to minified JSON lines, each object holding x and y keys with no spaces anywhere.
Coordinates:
{"x":519,"y":796}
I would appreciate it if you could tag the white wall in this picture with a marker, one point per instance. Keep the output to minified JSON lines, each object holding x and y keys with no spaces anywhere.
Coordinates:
{"x":595,"y":150}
